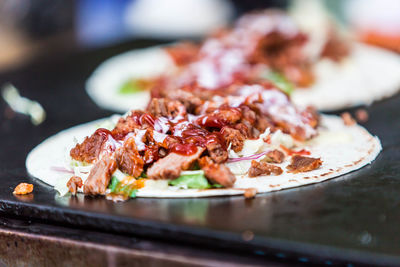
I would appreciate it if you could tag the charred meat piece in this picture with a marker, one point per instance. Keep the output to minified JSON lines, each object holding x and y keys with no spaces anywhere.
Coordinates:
{"x":217,"y":173}
{"x":263,"y":123}
{"x":304,"y":164}
{"x":99,"y":176}
{"x":275,"y":156}
{"x":244,"y":129}
{"x":263,"y":168}
{"x":170,"y":166}
{"x":128,"y":159}
{"x":128,"y":124}
{"x":189,"y":100}
{"x":89,"y":150}
{"x":218,"y":153}
{"x":74,"y":183}
{"x":230,"y":115}
{"x":162,"y":107}
{"x":233,"y":137}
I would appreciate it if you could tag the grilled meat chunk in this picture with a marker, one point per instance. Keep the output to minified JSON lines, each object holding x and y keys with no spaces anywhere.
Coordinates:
{"x":218,"y":153}
{"x":89,"y":150}
{"x":263,"y":168}
{"x":74,"y":183}
{"x":189,"y":100}
{"x":170,"y":167}
{"x":128,"y":159}
{"x":303,"y":164}
{"x":233,"y":137}
{"x":217,"y":173}
{"x":275,"y":156}
{"x":162,"y":107}
{"x":128,"y":124}
{"x":99,"y":176}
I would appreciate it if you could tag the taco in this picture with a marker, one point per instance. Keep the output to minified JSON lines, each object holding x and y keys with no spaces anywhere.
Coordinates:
{"x":245,"y":140}
{"x":262,"y":46}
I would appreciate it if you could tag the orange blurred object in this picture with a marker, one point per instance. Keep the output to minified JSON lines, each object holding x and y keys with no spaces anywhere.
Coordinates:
{"x":389,"y":41}
{"x":23,"y":189}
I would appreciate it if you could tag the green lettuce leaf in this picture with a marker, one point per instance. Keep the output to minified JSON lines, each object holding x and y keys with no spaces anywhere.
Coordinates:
{"x":113,"y":184}
{"x":280,"y":81}
{"x":130,"y":87}
{"x":125,"y":190}
{"x":197,"y":180}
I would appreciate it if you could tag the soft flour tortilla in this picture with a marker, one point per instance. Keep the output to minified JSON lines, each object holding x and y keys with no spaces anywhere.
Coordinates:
{"x":342,"y":148}
{"x":105,"y":82}
{"x":368,"y":74}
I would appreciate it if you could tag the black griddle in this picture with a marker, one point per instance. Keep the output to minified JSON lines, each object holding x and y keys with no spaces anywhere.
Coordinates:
{"x":351,"y":219}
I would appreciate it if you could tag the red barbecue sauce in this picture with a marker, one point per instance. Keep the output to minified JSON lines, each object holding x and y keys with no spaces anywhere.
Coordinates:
{"x":202,"y":131}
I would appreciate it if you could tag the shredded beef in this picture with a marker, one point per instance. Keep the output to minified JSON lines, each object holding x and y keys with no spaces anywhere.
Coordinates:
{"x":217,"y":173}
{"x":162,"y":107}
{"x":128,"y":124}
{"x":170,"y":166}
{"x":99,"y":176}
{"x":248,"y":114}
{"x":89,"y":150}
{"x":244,"y":129}
{"x":229,"y":115}
{"x":233,"y":137}
{"x":128,"y":159}
{"x":74,"y":183}
{"x":275,"y":156}
{"x":218,"y":153}
{"x":188,"y":99}
{"x":263,"y":123}
{"x":304,"y":164}
{"x":263,"y":168}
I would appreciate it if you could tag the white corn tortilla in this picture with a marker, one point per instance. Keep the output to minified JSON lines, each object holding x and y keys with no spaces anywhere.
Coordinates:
{"x":342,"y":149}
{"x":107,"y":79}
{"x":368,"y":74}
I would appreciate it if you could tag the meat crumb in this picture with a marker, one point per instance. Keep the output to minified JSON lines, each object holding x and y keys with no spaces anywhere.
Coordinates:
{"x":274,"y":156}
{"x":303,"y":164}
{"x":250,"y":193}
{"x":347,"y":119}
{"x":23,"y":189}
{"x":361,"y":115}
{"x":263,"y":168}
{"x":74,"y":183}
{"x":217,"y":173}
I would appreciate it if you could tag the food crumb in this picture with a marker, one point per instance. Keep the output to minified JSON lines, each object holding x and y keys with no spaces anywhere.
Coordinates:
{"x":247,"y":235}
{"x":361,"y":115}
{"x":347,"y":119}
{"x":250,"y":193}
{"x":74,"y":183}
{"x":23,"y":189}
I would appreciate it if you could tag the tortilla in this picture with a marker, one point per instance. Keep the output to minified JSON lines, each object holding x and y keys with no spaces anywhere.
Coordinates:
{"x":368,"y":75}
{"x":104,"y":84}
{"x":342,"y":149}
